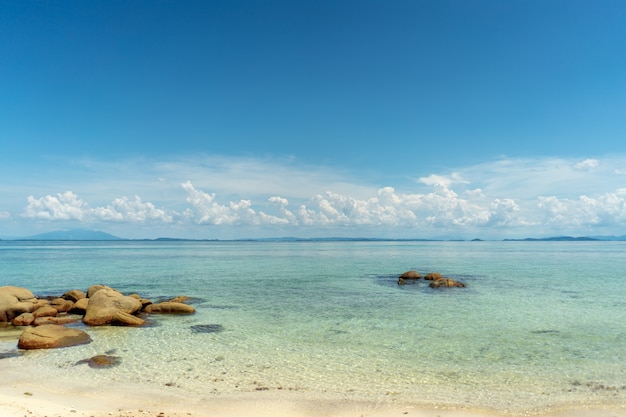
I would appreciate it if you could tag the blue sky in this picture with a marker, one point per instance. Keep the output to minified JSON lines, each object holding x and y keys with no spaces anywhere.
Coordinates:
{"x":234,"y":119}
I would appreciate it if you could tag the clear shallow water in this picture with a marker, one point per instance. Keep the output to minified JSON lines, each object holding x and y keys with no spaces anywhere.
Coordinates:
{"x":540,"y":325}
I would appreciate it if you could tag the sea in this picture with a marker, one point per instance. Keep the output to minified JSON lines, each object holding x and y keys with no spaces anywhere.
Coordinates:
{"x":540,"y":326}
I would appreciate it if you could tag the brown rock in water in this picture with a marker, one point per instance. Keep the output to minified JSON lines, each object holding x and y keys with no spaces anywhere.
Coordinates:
{"x":433,"y":276}
{"x":24,"y":319}
{"x":412,"y":274}
{"x":144,"y":301}
{"x":124,"y":319}
{"x":62,"y":305}
{"x":45,"y":311}
{"x":105,"y":303}
{"x":40,"y":321}
{"x":51,"y":336}
{"x":15,"y":301}
{"x":80,"y":306}
{"x":101,"y":361}
{"x":95,"y":288}
{"x":180,"y":299}
{"x":74,"y":295}
{"x":169,"y":307}
{"x":446,"y":283}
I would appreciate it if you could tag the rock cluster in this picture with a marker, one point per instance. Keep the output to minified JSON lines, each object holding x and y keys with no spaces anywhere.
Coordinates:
{"x":100,"y":305}
{"x":438,"y":280}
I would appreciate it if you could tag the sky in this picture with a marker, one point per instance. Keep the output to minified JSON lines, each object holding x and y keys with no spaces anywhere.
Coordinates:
{"x":235,"y":119}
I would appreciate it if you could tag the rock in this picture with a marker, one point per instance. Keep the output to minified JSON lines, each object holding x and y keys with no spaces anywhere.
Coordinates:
{"x":144,"y":302}
{"x":51,"y":336}
{"x":124,"y":319}
{"x":169,"y":307}
{"x":24,"y":319}
{"x":180,"y":299}
{"x":74,"y":295}
{"x":104,"y":303}
{"x":94,"y":289}
{"x":62,"y":305}
{"x":412,"y":274}
{"x":45,"y":311}
{"x":80,"y":306}
{"x":446,"y":282}
{"x":433,"y":276}
{"x":40,"y":321}
{"x":15,"y":301}
{"x":100,"y":361}
{"x":40,"y":302}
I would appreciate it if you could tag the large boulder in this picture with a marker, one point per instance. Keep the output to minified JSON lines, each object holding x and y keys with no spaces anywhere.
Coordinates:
{"x":15,"y":301}
{"x":104,"y":303}
{"x":51,"y":336}
{"x":169,"y":307}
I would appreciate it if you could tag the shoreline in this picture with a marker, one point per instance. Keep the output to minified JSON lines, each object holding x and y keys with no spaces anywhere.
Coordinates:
{"x":21,"y":396}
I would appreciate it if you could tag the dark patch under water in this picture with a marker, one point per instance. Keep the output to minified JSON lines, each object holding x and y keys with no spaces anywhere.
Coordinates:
{"x":101,"y":361}
{"x":207,"y":328}
{"x":11,"y":354}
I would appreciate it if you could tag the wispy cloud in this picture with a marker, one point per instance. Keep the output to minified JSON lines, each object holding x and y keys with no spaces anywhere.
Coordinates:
{"x":494,"y":199}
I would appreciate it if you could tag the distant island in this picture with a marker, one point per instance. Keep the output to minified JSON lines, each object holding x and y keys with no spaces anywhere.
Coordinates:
{"x":95,"y":235}
{"x":555,"y":239}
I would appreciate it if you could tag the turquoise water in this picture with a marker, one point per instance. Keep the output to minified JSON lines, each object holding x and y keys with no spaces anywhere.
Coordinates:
{"x":540,"y":324}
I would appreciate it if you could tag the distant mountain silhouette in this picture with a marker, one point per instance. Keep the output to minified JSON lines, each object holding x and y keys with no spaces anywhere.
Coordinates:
{"x":75,"y":234}
{"x":554,"y":239}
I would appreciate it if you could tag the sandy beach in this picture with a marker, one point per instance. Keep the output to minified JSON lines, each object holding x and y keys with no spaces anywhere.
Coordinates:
{"x":22,"y":395}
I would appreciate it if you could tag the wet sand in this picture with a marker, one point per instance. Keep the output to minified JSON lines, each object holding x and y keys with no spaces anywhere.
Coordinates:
{"x":25,"y":396}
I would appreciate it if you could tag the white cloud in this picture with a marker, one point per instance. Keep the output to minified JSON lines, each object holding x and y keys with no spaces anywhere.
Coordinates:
{"x":63,"y":206}
{"x":205,"y":210}
{"x":586,"y":165}
{"x":68,"y":207}
{"x":126,"y":210}
{"x":501,"y":197}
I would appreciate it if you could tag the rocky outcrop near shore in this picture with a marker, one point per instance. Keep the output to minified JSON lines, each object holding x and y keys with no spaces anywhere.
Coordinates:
{"x":437,"y":280}
{"x":15,"y":301}
{"x":44,"y":318}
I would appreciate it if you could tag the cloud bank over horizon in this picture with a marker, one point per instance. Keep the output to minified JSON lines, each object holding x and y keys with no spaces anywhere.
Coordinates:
{"x":247,"y":197}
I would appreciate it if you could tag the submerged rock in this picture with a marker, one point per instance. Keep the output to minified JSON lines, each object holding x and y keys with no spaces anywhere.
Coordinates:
{"x":207,"y":328}
{"x":169,"y":307}
{"x":101,"y":361}
{"x":446,"y":282}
